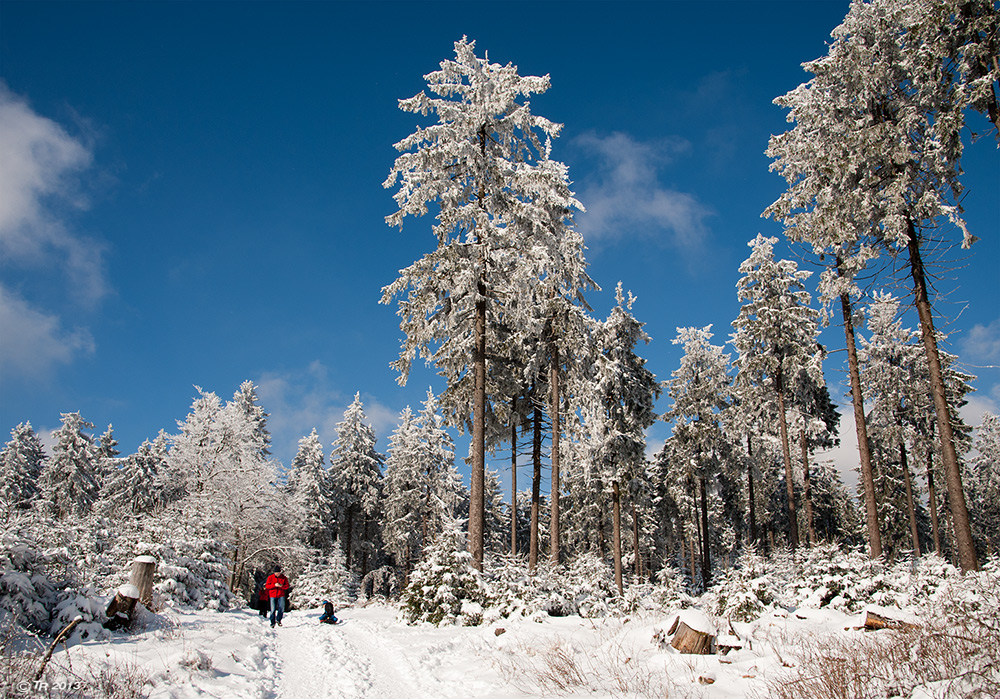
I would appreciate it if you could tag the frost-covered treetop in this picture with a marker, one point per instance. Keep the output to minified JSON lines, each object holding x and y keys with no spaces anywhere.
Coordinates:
{"x":876,"y":145}
{"x":700,"y":386}
{"x":486,"y":154}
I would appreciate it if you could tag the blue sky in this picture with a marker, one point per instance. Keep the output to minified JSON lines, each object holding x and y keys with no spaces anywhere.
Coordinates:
{"x":192,"y":195}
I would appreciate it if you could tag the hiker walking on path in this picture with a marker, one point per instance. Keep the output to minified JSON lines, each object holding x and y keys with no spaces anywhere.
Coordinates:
{"x":277,"y":587}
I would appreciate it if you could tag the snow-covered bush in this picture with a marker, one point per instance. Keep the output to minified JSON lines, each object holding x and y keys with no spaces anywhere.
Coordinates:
{"x":27,"y":593}
{"x":667,"y":593}
{"x":583,"y":586}
{"x":87,"y":605}
{"x":743,"y":592}
{"x":191,"y":572}
{"x":512,"y":589}
{"x":444,"y":587}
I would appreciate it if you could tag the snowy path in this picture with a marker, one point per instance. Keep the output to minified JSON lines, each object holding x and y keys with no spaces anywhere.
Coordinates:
{"x":318,"y":660}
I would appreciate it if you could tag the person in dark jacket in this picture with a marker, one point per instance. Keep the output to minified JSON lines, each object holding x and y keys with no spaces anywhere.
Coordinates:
{"x":328,"y":616}
{"x":263,"y":600}
{"x":277,"y":586}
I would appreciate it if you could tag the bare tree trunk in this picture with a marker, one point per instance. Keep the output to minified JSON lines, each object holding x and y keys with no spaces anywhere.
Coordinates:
{"x":349,"y":538}
{"x":691,"y":550}
{"x":807,"y":488}
{"x":932,"y":495}
{"x":616,"y":528}
{"x":793,"y":520}
{"x":683,"y":539}
{"x":706,"y":562}
{"x":861,"y":426}
{"x":513,"y":477}
{"x":635,"y":542}
{"x":368,"y":537}
{"x":750,"y":497}
{"x":910,"y":508}
{"x":949,"y":455}
{"x":554,"y":489}
{"x":477,"y":480}
{"x":536,"y":485}
{"x":477,"y":501}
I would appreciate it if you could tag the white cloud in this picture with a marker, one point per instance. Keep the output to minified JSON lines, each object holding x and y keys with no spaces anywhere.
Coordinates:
{"x":982,"y":343}
{"x":845,"y":456}
{"x":299,"y":401}
{"x":625,"y":198}
{"x":39,"y":186}
{"x":32,"y":341}
{"x":40,"y":178}
{"x":972,"y":412}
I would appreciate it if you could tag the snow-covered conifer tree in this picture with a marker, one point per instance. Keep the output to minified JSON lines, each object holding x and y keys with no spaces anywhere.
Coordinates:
{"x":890,"y":363}
{"x":775,"y":338}
{"x":356,"y":486}
{"x":21,"y":463}
{"x":816,"y":419}
{"x":246,"y":401}
{"x":624,"y":392}
{"x":308,"y":486}
{"x":107,"y":454}
{"x":445,"y":587}
{"x":503,"y":207}
{"x":134,"y":486}
{"x":403,"y":503}
{"x":700,"y":390}
{"x":67,"y":483}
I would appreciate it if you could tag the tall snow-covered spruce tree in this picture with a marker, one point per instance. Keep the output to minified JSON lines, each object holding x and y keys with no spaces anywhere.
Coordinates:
{"x":309,"y":487}
{"x":21,"y":462}
{"x":620,"y":411}
{"x":68,"y":483}
{"x":700,"y":389}
{"x":775,"y":339}
{"x":356,"y":486}
{"x":503,"y":209}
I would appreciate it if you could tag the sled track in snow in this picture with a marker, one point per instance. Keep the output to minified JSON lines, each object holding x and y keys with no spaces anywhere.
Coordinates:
{"x":350,"y":661}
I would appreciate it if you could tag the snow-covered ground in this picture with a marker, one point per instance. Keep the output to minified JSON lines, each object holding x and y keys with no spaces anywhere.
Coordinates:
{"x":184,"y":653}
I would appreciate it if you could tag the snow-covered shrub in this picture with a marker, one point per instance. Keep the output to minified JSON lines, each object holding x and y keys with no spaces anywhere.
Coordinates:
{"x":737,"y":598}
{"x":324,"y":580}
{"x":668,"y":593}
{"x":512,"y":589}
{"x":585,"y":586}
{"x":444,"y":587}
{"x":845,"y":581}
{"x":27,"y":592}
{"x":87,"y":605}
{"x":953,"y":652}
{"x":193,"y":573}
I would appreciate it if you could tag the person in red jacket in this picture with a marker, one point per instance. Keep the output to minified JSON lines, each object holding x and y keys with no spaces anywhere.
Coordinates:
{"x":277,"y":587}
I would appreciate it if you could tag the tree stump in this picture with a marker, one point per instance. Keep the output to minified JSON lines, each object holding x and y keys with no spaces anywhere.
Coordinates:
{"x":122,"y":607}
{"x":143,"y":569}
{"x":689,"y":640}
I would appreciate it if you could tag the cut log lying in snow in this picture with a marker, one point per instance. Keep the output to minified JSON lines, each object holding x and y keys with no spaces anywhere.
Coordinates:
{"x":874,"y":622}
{"x":688,"y":640}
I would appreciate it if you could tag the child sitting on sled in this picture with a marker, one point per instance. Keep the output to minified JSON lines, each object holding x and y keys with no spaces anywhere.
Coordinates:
{"x":328,"y":616}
